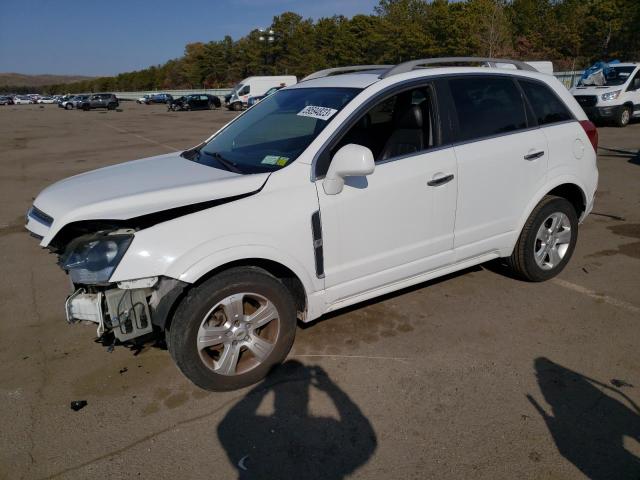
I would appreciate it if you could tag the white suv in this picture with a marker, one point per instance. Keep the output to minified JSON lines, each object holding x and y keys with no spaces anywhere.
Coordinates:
{"x":351,"y":184}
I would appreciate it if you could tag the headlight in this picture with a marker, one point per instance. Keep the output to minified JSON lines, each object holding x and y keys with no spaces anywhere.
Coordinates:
{"x":93,"y":260}
{"x":610,"y":95}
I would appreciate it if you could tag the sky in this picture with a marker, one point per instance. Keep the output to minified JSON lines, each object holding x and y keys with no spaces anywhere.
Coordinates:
{"x":88,"y":37}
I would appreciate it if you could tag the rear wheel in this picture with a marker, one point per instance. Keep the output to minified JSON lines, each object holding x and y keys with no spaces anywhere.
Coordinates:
{"x":237,"y":107}
{"x":624,"y":116}
{"x":68,"y":106}
{"x":547,"y":240}
{"x":229,"y":331}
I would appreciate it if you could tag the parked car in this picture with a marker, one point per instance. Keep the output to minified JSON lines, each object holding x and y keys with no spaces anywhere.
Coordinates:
{"x":255,"y":86}
{"x":46,"y":100}
{"x":99,"y":100}
{"x":144,"y":99}
{"x":617,"y":99}
{"x":22,"y":100}
{"x":160,"y":98}
{"x":196,"y":101}
{"x":74,"y":102}
{"x":5,"y":100}
{"x":253,"y":100}
{"x":62,"y":101}
{"x":351,"y":184}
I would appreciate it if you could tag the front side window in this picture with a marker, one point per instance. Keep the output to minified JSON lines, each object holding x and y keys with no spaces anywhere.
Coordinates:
{"x":402,"y":124}
{"x":275,"y":131}
{"x":547,"y":107}
{"x":487,"y":106}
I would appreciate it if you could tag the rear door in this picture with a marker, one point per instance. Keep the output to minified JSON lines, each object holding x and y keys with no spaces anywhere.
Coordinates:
{"x":502,"y":161}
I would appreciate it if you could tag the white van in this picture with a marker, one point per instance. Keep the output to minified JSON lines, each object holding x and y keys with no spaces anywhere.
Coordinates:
{"x":255,"y":86}
{"x":616,"y":99}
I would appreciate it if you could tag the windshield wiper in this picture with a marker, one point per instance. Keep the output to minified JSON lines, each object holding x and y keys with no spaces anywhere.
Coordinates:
{"x":191,"y":154}
{"x":228,"y":164}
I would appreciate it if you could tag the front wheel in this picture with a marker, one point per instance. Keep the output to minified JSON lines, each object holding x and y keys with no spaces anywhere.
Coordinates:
{"x":624,"y":116}
{"x":547,"y":240}
{"x":228,"y":332}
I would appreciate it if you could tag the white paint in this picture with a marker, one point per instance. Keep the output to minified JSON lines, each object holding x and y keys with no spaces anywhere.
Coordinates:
{"x":597,"y":296}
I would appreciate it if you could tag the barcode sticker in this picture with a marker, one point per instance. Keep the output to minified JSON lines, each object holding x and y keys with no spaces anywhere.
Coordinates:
{"x":321,"y":113}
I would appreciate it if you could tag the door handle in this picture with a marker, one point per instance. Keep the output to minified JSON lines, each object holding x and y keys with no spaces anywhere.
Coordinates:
{"x":436,"y":182}
{"x":533,"y":156}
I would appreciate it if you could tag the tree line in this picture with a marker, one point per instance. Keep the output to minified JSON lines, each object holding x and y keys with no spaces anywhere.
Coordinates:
{"x":571,"y":33}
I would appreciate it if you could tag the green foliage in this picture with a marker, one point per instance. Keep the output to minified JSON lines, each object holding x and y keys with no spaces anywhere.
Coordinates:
{"x":571,"y":33}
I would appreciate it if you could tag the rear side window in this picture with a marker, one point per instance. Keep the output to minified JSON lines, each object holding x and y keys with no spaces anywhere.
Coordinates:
{"x":547,"y":107}
{"x":487,"y":106}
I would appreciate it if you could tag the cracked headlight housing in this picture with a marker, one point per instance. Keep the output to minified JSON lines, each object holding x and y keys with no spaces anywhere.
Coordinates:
{"x":93,"y":260}
{"x":610,"y":95}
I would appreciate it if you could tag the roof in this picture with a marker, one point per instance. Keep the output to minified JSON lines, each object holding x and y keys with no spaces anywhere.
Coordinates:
{"x":362,"y":76}
{"x":346,"y":80}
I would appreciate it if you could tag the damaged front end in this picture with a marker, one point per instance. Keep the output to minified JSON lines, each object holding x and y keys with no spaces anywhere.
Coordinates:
{"x":128,"y":309}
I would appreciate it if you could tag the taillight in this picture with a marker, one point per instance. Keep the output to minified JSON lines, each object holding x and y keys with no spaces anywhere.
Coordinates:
{"x":592,"y":132}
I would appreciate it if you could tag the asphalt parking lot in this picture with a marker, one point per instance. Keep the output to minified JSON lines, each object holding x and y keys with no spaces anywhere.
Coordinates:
{"x":475,"y":375}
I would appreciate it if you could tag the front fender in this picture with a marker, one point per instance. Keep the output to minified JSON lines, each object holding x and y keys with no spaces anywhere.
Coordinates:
{"x":189,"y":272}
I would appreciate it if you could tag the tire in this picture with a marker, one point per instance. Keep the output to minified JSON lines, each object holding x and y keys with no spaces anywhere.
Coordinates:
{"x":68,"y":106}
{"x":86,"y":108}
{"x":529,"y":260}
{"x":210,"y":305}
{"x":623,"y":116}
{"x":236,"y":107}
{"x":111,"y":106}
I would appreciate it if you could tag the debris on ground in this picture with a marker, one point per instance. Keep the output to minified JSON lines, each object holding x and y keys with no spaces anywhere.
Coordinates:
{"x":619,"y":383}
{"x":78,"y":405}
{"x":123,"y":370}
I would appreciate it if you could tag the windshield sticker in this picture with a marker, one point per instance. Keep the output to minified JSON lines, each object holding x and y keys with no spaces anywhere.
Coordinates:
{"x":321,"y":113}
{"x":275,"y":160}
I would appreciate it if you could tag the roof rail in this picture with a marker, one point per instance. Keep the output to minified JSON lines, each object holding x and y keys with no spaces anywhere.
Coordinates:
{"x":409,"y":66}
{"x":354,"y":68}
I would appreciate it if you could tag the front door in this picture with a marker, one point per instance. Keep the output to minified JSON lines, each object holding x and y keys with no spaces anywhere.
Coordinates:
{"x":397,"y":222}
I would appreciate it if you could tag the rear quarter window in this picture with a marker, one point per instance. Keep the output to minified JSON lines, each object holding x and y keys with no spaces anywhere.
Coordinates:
{"x":547,"y":107}
{"x":487,"y":106}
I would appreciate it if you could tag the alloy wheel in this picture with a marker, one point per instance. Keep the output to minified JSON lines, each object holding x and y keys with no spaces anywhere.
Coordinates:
{"x":552,"y":240}
{"x":238,"y":333}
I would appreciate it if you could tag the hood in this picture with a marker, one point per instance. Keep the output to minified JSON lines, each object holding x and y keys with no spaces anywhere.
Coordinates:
{"x":132,"y":189}
{"x":596,"y":90}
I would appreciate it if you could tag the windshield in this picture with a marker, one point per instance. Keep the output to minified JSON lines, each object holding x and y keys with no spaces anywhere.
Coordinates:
{"x":615,"y":76}
{"x":275,"y":132}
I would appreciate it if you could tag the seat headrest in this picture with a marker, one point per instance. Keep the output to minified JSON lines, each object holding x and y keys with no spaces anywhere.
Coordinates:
{"x":411,"y":118}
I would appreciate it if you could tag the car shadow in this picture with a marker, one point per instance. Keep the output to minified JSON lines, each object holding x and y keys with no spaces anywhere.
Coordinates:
{"x":632,"y":156}
{"x":289,"y":441}
{"x":588,"y":425}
